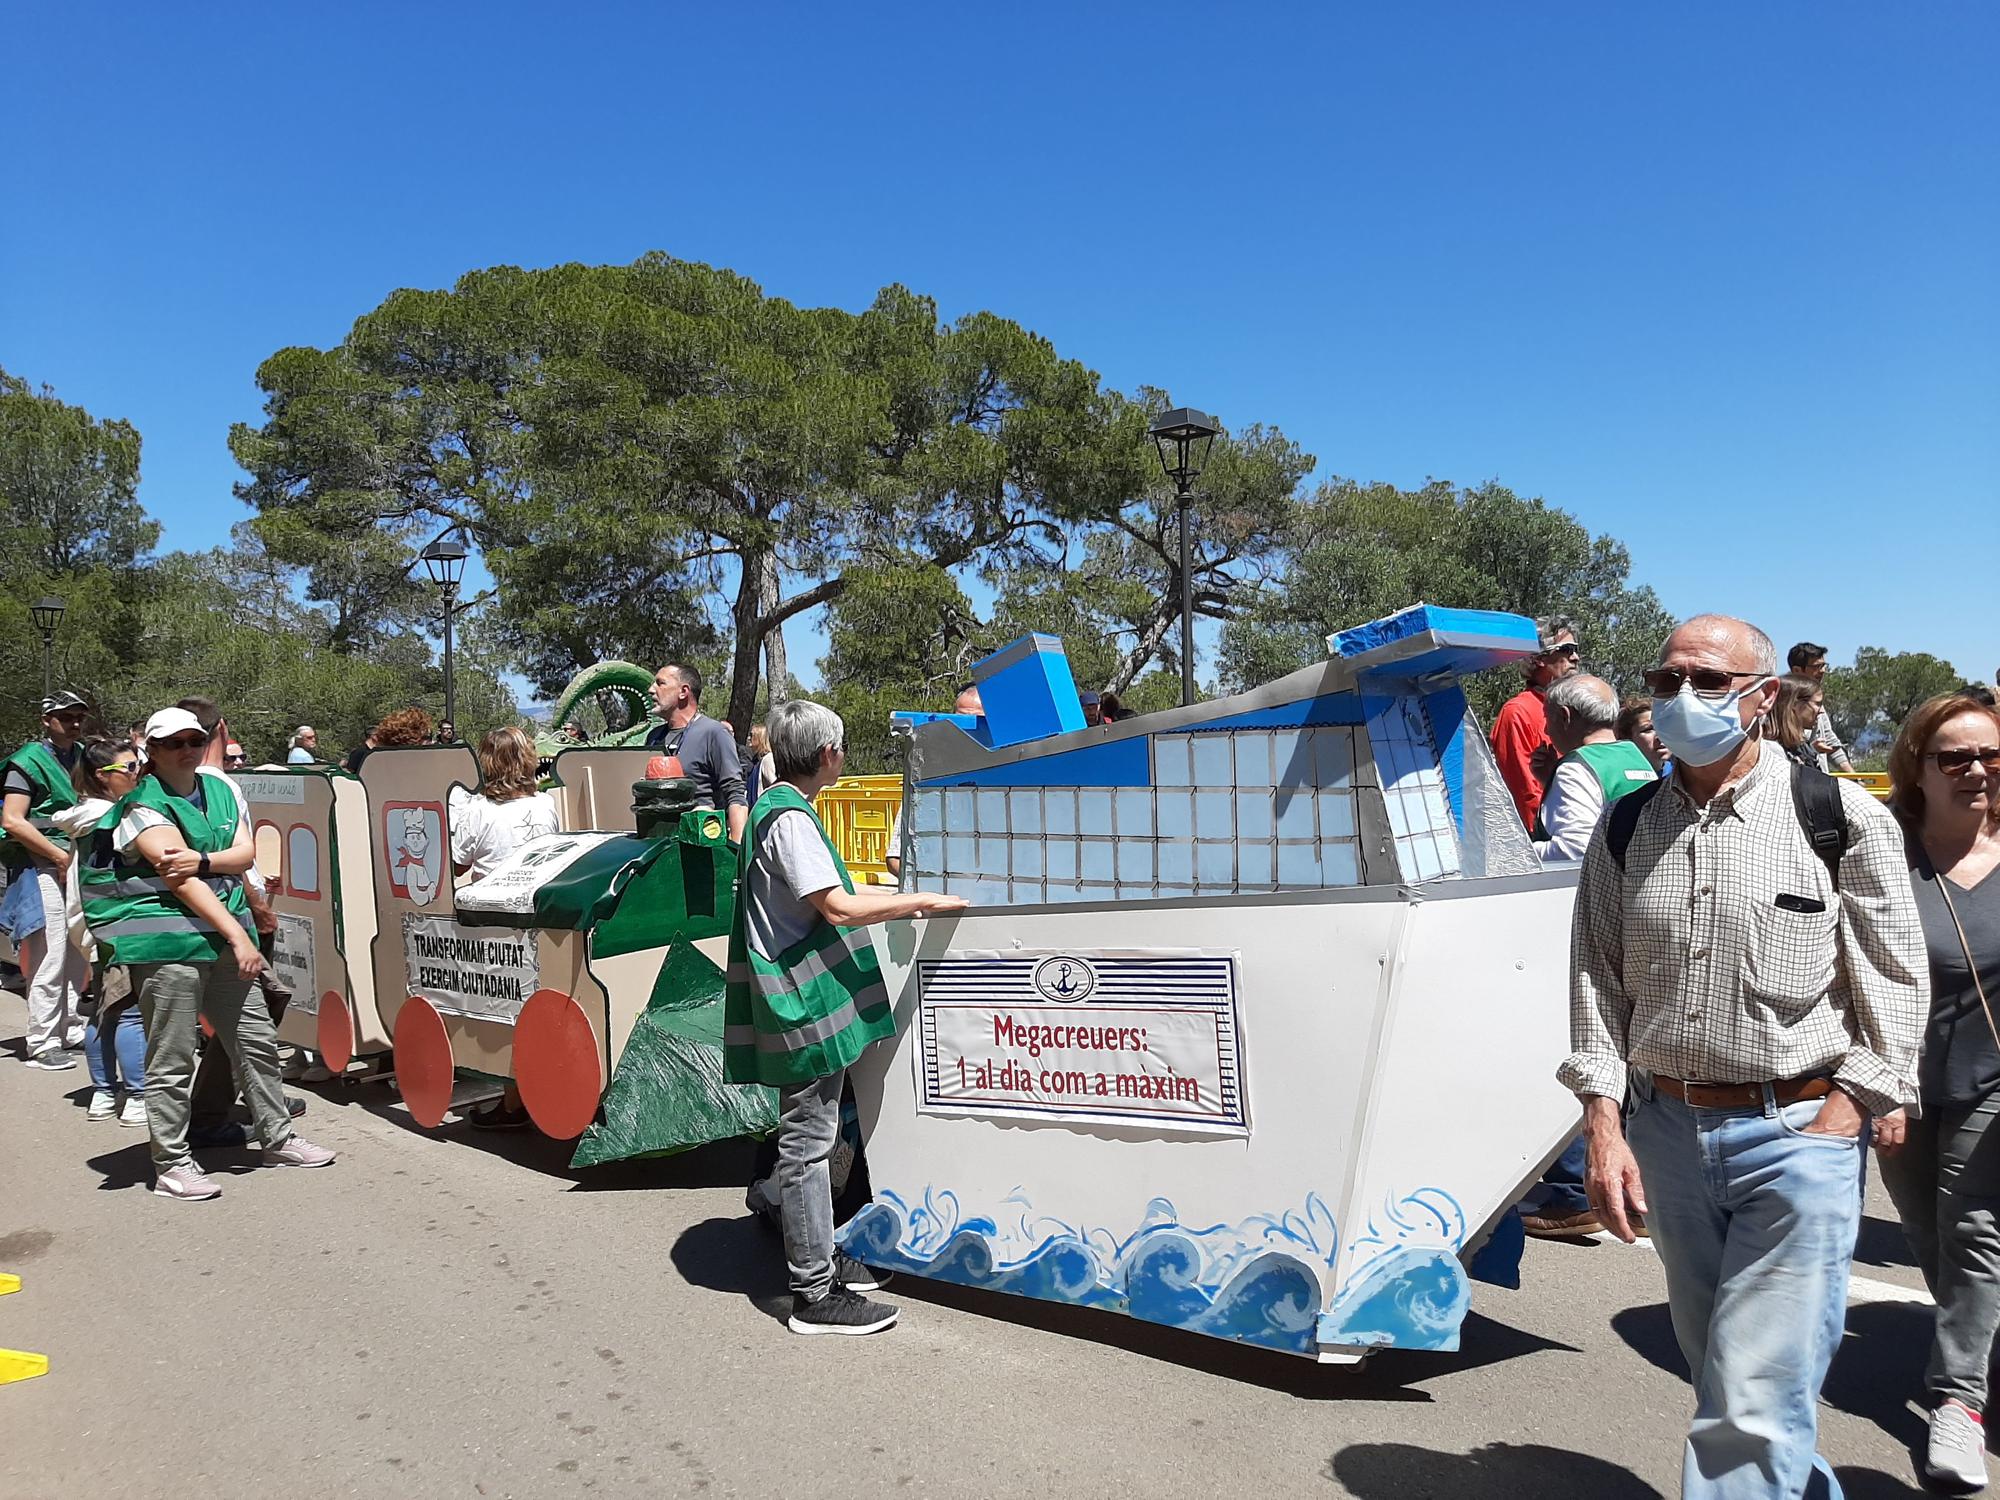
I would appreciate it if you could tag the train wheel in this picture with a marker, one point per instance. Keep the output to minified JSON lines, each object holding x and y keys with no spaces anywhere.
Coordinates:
{"x":335,"y":1031}
{"x":423,"y":1062}
{"x":557,"y":1065}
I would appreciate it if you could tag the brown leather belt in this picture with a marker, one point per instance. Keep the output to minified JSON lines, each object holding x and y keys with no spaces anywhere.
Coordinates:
{"x":1743,"y":1095}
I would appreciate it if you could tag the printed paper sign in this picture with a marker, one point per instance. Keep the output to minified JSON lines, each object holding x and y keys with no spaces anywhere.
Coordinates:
{"x":1127,"y":1038}
{"x":512,"y":885}
{"x":257,"y":788}
{"x":292,"y":959}
{"x":470,"y":971}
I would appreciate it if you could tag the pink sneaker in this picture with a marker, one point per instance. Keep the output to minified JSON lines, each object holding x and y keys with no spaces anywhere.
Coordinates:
{"x":296,"y":1151}
{"x":187,"y":1181}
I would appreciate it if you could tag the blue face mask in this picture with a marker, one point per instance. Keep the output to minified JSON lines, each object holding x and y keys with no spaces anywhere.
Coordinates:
{"x":1700,"y":731}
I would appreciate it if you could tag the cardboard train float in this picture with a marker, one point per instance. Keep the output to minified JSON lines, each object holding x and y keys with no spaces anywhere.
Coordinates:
{"x":1249,"y":1029}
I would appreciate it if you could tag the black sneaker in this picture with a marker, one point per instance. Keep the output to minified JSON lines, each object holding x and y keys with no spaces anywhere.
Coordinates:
{"x":294,"y":1105}
{"x":840,"y":1311}
{"x":856,"y":1277}
{"x":497,"y":1116}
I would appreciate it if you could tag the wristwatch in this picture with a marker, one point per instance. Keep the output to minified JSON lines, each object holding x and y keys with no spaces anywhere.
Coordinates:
{"x":202,"y":869}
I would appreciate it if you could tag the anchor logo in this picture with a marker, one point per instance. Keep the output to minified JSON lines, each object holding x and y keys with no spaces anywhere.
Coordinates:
{"x":1065,"y":980}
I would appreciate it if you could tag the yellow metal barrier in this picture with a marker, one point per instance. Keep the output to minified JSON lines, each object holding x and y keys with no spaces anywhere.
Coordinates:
{"x":858,"y":812}
{"x":1876,"y":783}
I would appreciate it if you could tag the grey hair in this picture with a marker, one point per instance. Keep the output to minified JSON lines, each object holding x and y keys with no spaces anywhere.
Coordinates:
{"x":1588,"y":700}
{"x":1763,"y":654}
{"x":799,"y":730}
{"x":1548,"y":627}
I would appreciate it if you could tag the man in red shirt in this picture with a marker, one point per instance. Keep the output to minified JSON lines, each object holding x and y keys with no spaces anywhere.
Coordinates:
{"x":1521,"y":729}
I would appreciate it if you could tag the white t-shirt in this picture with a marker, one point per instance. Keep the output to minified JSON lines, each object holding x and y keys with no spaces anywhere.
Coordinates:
{"x":1570,"y":810}
{"x":792,"y":863}
{"x":484,"y":832}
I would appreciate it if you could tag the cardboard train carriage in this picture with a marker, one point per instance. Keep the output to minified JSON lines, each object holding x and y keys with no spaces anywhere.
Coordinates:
{"x":1249,"y":1028}
{"x":586,"y":950}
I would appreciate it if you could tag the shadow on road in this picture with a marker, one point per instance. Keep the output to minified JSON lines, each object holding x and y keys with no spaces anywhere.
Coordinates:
{"x":1881,"y":1243}
{"x":1873,"y":1484}
{"x":739,"y":1256}
{"x":1649,"y":1332}
{"x":1501,"y":1471}
{"x":130,"y":1166}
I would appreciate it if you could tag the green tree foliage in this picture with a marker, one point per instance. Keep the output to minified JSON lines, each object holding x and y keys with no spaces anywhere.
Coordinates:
{"x":1869,"y":700}
{"x":1356,"y":552}
{"x":667,"y":436}
{"x":141,"y":631}
{"x":1117,"y":606}
{"x":899,"y":636}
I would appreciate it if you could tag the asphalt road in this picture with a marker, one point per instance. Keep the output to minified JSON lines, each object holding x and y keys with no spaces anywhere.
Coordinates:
{"x":455,"y":1314}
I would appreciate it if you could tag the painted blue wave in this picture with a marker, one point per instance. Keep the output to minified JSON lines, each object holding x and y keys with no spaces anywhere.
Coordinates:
{"x":1217,"y":1280}
{"x":1409,"y":1298}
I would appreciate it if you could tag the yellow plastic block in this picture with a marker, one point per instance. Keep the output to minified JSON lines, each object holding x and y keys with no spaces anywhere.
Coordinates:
{"x":18,"y":1364}
{"x":9,"y":1283}
{"x":857,"y":813}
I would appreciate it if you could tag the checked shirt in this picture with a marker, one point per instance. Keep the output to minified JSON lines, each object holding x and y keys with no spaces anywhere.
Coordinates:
{"x":1689,"y":964}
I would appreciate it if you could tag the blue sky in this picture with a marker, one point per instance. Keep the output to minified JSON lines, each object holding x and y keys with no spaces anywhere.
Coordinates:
{"x":1719,"y":280}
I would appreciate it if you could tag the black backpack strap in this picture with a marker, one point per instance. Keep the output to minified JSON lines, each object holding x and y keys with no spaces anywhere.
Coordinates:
{"x":1816,"y":798}
{"x":1624,"y":818}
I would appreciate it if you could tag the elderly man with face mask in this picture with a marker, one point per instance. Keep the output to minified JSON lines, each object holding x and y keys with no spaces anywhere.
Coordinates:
{"x":1757,"y":993}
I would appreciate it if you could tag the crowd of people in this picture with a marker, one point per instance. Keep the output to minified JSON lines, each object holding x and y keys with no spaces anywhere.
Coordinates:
{"x":1771,"y":972}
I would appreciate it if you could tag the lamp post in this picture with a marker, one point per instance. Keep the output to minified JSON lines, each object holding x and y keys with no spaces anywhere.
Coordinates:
{"x":1184,"y":437}
{"x":47,"y":613}
{"x":444,"y":560}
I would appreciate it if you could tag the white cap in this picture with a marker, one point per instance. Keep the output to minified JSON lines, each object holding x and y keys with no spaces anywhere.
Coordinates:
{"x":172,"y":721}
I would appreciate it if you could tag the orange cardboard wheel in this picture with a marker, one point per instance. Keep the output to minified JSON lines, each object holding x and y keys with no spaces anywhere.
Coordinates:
{"x":423,"y":1062}
{"x":335,"y":1031}
{"x":557,"y":1064}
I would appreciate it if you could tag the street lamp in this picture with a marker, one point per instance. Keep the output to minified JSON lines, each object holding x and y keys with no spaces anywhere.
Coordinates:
{"x":47,"y":613}
{"x":444,"y":560}
{"x":1184,"y":437}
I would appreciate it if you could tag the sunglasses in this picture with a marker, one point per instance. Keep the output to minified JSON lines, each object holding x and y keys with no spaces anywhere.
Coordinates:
{"x":1568,"y":648}
{"x":183,"y":742}
{"x":122,"y":767}
{"x":1709,"y":682}
{"x":1958,"y":762}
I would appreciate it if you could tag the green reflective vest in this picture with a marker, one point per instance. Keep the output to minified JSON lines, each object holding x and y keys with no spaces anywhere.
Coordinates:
{"x":53,"y":793}
{"x":1619,"y":766}
{"x":132,"y":915}
{"x":807,"y":1012}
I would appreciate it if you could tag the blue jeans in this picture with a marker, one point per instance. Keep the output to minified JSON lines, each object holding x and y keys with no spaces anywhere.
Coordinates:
{"x":118,"y":1050}
{"x":1560,"y":1193}
{"x":1755,"y":1224}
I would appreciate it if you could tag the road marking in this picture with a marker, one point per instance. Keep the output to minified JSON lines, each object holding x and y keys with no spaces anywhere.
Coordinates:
{"x":1861,"y":1290}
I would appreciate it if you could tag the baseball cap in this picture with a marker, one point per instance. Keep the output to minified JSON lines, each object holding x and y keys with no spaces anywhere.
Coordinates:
{"x":62,"y":702}
{"x":172,"y":721}
{"x":1087,"y":698}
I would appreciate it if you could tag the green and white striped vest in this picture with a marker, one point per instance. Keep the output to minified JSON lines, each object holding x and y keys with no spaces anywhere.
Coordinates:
{"x":126,"y":903}
{"x":53,"y":793}
{"x":807,"y":1012}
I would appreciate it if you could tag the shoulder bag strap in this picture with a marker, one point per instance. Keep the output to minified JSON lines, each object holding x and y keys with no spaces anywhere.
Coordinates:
{"x":1978,"y":984}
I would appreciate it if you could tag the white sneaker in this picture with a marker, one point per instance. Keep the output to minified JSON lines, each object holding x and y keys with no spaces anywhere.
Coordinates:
{"x":293,"y":1068}
{"x":133,"y":1115}
{"x":188,"y":1182}
{"x":51,"y":1060}
{"x":103,"y":1105}
{"x":1956,"y":1457}
{"x":295,"y":1151}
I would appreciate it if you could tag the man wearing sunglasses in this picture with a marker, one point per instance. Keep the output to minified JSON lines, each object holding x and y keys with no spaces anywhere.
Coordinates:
{"x":34,"y":787}
{"x":1520,"y":736}
{"x":1751,"y":998}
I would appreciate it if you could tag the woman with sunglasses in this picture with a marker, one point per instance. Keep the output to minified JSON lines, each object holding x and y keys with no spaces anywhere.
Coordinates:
{"x":114,"y":1043}
{"x":1944,"y":771}
{"x":170,"y":904}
